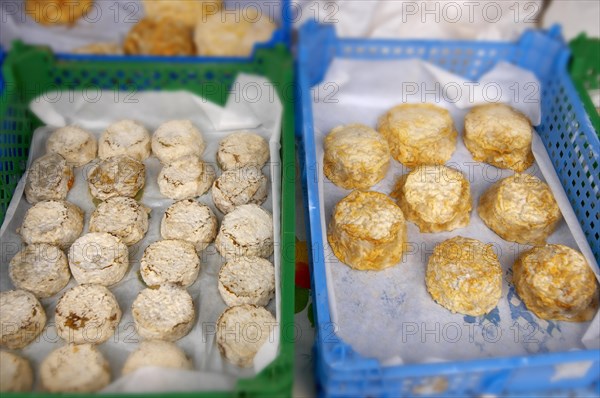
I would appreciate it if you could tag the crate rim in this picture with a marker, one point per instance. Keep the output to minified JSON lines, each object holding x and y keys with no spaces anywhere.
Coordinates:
{"x":319,"y":288}
{"x":142,"y":59}
{"x":554,"y":32}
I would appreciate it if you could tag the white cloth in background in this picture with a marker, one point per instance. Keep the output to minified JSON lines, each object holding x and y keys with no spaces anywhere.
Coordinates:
{"x":575,"y":16}
{"x":432,"y":19}
{"x":477,"y":18}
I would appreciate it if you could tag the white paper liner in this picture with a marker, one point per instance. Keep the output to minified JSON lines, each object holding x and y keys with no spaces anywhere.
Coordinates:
{"x":389,"y":314}
{"x":262,"y":116}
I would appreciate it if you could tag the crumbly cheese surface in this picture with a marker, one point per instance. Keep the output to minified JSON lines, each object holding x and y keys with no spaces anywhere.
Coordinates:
{"x":87,"y":314}
{"x":170,"y":261}
{"x":436,"y":198}
{"x":175,"y":139}
{"x":520,"y":208}
{"x":15,"y":373}
{"x":122,"y":217}
{"x":99,"y":48}
{"x":75,"y":369}
{"x":54,"y":222}
{"x":367,"y":231}
{"x":159,"y":36}
{"x":190,"y":221}
{"x":73,"y":143}
{"x":166,"y":313}
{"x":239,"y":187}
{"x":116,"y":176}
{"x":241,"y":331}
{"x":246,"y":231}
{"x":125,"y":137}
{"x":247,"y":280}
{"x":419,"y":134}
{"x":464,"y":275}
{"x":48,"y":178}
{"x":98,"y":257}
{"x":242,"y":149}
{"x":185,"y":178}
{"x":556,"y":283}
{"x":22,"y":318}
{"x":226,"y":34}
{"x":163,"y":354}
{"x":41,"y":269}
{"x":356,"y":156}
{"x":368,"y":215}
{"x":499,"y":135}
{"x":188,"y":12}
{"x":57,"y":12}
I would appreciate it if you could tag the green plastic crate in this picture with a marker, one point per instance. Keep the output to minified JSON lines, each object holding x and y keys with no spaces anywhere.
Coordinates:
{"x":31,"y":71}
{"x":585,"y":72}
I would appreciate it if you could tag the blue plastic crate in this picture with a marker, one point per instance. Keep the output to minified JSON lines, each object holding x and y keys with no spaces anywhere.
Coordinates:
{"x":575,"y":152}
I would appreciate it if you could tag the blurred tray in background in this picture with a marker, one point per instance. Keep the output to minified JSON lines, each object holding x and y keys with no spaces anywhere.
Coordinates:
{"x":109,"y":22}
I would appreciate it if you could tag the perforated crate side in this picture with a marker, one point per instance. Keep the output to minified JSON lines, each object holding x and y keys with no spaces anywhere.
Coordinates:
{"x":574,"y":150}
{"x":16,"y":127}
{"x":469,"y":61}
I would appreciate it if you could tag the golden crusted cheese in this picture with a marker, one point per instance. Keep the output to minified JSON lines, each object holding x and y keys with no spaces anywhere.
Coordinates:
{"x":436,"y":198}
{"x":160,"y":36}
{"x":99,"y":48}
{"x":367,"y":231}
{"x":499,"y":135}
{"x":232,"y":34}
{"x":521,"y":209}
{"x":464,"y":276}
{"x":188,"y":12}
{"x":57,"y":12}
{"x":356,"y":156}
{"x":419,"y":134}
{"x":555,"y":282}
